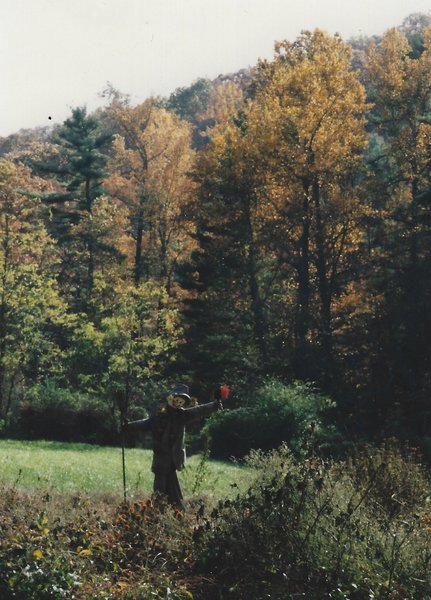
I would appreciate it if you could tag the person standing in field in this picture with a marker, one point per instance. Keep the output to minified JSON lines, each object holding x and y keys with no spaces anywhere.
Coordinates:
{"x":168,"y":432}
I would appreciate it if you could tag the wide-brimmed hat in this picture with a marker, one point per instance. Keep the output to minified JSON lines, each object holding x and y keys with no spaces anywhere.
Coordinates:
{"x":181,"y":390}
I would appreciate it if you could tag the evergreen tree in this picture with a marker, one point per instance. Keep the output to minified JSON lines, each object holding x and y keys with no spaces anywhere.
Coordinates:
{"x":191,"y":103}
{"x":223,"y":277}
{"x":79,"y":170}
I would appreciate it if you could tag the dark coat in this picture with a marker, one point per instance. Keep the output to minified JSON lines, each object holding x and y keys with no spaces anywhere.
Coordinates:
{"x":168,"y":431}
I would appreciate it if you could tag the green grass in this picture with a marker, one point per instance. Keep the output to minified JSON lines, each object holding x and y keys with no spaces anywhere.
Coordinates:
{"x":83,"y":468}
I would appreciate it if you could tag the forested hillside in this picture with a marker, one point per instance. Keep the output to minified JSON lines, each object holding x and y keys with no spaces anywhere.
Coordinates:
{"x":270,"y":229}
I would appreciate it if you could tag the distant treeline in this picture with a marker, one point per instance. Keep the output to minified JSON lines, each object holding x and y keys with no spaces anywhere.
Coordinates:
{"x":268,"y":227}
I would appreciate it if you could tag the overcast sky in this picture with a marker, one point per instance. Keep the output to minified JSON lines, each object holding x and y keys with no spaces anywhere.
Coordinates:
{"x":58,"y":54}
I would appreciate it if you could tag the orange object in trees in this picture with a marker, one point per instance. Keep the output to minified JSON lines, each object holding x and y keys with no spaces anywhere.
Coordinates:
{"x":224,"y":391}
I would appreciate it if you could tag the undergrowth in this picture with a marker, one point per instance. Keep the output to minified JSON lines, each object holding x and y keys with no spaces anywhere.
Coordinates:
{"x":315,"y":529}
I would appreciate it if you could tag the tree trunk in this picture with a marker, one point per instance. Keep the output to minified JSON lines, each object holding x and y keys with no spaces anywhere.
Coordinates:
{"x":412,"y":356}
{"x":324,"y":291}
{"x":163,"y":260}
{"x":90,"y":269}
{"x":88,"y":199}
{"x":90,"y":240}
{"x":259,"y":320}
{"x":302,"y":324}
{"x":138,"y":267}
{"x":2,"y":357}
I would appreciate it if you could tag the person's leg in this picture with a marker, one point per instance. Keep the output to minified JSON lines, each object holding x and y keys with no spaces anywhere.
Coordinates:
{"x":160,"y":483}
{"x":173,"y":489}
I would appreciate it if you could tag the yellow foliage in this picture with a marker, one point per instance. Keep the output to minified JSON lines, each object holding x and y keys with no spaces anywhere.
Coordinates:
{"x":150,"y":175}
{"x":310,"y":107}
{"x":401,"y":86}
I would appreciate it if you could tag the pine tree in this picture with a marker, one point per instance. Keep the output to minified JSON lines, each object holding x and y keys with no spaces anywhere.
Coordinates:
{"x":79,"y":171}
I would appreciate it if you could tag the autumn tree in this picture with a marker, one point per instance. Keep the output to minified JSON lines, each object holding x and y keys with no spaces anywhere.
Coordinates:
{"x":23,"y":139}
{"x":191,"y":104}
{"x":227,"y":97}
{"x":311,"y":106}
{"x":150,"y":176}
{"x":30,"y":307}
{"x":206,"y":103}
{"x":398,"y":79}
{"x":278,"y":180}
{"x":413,"y":27}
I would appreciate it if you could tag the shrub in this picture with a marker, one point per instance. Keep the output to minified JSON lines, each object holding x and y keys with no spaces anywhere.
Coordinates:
{"x":51,"y":412}
{"x":72,"y":547}
{"x":398,"y":482}
{"x":296,"y":414}
{"x":304,"y":529}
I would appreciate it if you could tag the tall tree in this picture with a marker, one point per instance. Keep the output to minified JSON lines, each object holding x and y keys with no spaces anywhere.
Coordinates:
{"x":307,"y":127}
{"x":79,"y":169}
{"x":150,"y":176}
{"x":398,"y":79}
{"x":30,"y":307}
{"x":224,"y":273}
{"x":277,"y":182}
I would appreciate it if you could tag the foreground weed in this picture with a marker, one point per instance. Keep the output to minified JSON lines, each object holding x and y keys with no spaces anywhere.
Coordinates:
{"x":306,"y":529}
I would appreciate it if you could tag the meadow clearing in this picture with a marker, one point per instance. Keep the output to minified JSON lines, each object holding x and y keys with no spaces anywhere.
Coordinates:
{"x":68,"y":468}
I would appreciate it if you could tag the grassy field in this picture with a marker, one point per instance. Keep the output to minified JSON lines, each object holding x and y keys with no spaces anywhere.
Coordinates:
{"x":72,"y":468}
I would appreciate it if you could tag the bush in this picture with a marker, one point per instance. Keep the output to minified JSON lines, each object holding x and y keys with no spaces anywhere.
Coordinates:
{"x":71,"y":547}
{"x":306,"y":529}
{"x":54,"y":413}
{"x":398,"y":482}
{"x":296,"y":414}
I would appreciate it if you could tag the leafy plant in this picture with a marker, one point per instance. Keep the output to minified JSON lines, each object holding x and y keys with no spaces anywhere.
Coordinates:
{"x":277,"y":413}
{"x":305,"y":527}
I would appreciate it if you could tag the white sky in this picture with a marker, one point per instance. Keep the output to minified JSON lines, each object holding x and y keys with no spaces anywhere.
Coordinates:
{"x":58,"y":54}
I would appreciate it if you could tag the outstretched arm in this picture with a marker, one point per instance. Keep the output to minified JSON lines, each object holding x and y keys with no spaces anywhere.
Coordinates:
{"x":204,"y":410}
{"x":141,"y":425}
{"x":221,"y":393}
